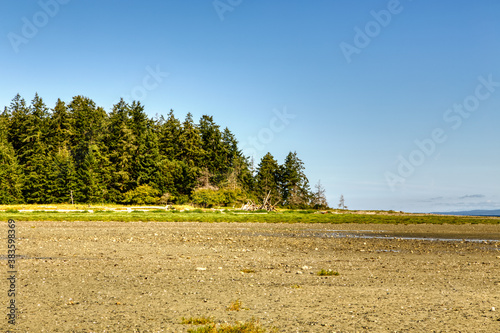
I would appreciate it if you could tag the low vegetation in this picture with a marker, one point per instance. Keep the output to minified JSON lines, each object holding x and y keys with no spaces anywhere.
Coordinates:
{"x":245,"y":327}
{"x":197,"y":320}
{"x":190,"y":214}
{"x":235,"y":306}
{"x":210,"y":326}
{"x":328,"y":272}
{"x":251,"y":326}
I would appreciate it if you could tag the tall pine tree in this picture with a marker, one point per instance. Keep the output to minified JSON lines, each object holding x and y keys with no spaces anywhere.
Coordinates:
{"x":295,"y":188}
{"x":169,"y":134}
{"x":215,"y":154}
{"x":190,"y":143}
{"x":89,"y":151}
{"x":10,"y":171}
{"x":62,"y":177}
{"x":121,"y":143}
{"x":59,"y":128}
{"x":34,"y":153}
{"x":267,"y":179}
{"x":147,"y":154}
{"x":18,"y":114}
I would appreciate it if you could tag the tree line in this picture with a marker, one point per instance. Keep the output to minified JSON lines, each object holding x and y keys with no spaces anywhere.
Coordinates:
{"x":76,"y":152}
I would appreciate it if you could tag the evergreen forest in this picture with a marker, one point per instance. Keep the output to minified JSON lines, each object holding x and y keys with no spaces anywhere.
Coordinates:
{"x":77,"y":152}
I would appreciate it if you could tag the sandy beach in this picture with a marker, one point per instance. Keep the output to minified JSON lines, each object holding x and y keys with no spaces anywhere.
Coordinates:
{"x":144,"y":277}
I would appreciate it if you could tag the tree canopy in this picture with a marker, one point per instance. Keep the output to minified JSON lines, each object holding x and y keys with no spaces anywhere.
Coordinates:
{"x":77,"y":151}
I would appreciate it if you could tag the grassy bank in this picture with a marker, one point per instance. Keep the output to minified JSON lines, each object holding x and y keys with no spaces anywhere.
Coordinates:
{"x":140,"y":214}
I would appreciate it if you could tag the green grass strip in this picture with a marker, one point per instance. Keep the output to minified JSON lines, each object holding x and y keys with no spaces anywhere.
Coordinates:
{"x":287,"y":217}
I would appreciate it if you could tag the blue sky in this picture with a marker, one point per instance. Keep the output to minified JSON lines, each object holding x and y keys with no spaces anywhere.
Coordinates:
{"x":394,"y":104}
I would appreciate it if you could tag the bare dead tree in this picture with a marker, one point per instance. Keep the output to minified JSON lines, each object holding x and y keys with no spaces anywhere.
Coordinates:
{"x":342,"y":202}
{"x":266,"y":204}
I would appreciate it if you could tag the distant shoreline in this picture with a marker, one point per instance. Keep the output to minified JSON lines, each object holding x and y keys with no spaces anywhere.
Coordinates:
{"x":477,"y":212}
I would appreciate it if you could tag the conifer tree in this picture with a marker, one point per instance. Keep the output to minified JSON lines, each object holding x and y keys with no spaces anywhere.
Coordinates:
{"x":61,"y":172}
{"x":295,"y":188}
{"x":147,"y":160}
{"x":34,"y":153}
{"x":237,"y":166}
{"x":215,"y":155}
{"x":36,"y":186}
{"x":147,"y":154}
{"x":90,"y":178}
{"x":18,"y":124}
{"x":230,"y":145}
{"x":59,"y":128}
{"x":40,"y":115}
{"x":87,"y":141}
{"x":267,"y":179}
{"x":62,"y":177}
{"x":88,"y":124}
{"x":190,"y":154}
{"x":139,"y":120}
{"x":170,"y":177}
{"x":169,"y":133}
{"x":190,"y":143}
{"x":122,"y":146}
{"x":10,"y":171}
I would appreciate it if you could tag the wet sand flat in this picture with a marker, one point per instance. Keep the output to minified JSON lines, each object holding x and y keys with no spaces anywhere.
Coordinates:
{"x":144,"y":277}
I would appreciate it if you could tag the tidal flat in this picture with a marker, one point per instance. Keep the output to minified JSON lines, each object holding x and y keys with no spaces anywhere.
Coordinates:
{"x":92,"y":276}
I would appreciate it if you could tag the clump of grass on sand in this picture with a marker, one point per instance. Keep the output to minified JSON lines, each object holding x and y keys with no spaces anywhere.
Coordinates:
{"x":328,"y":272}
{"x":197,"y":320}
{"x":235,"y":306}
{"x":246,"y":327}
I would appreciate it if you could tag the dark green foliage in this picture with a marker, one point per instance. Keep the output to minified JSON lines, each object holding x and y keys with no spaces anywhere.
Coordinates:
{"x":147,"y":160}
{"x":169,"y":132}
{"x":59,"y":127}
{"x":36,"y":173}
{"x":267,"y":180}
{"x":89,"y":151}
{"x":10,"y":171}
{"x":91,"y":173}
{"x":190,"y":144}
{"x":122,"y":145}
{"x":78,"y":153}
{"x":294,"y":184}
{"x":215,"y":151}
{"x":33,"y":153}
{"x":18,"y":123}
{"x":62,"y":178}
{"x":88,"y":124}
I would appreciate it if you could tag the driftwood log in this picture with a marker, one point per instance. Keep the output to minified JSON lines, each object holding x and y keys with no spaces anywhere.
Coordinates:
{"x":266,"y":204}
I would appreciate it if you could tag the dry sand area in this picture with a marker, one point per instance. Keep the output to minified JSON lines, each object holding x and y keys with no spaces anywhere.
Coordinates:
{"x":144,"y":277}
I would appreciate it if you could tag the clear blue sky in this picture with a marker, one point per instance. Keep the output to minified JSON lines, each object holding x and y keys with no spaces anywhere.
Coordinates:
{"x":356,"y":83}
